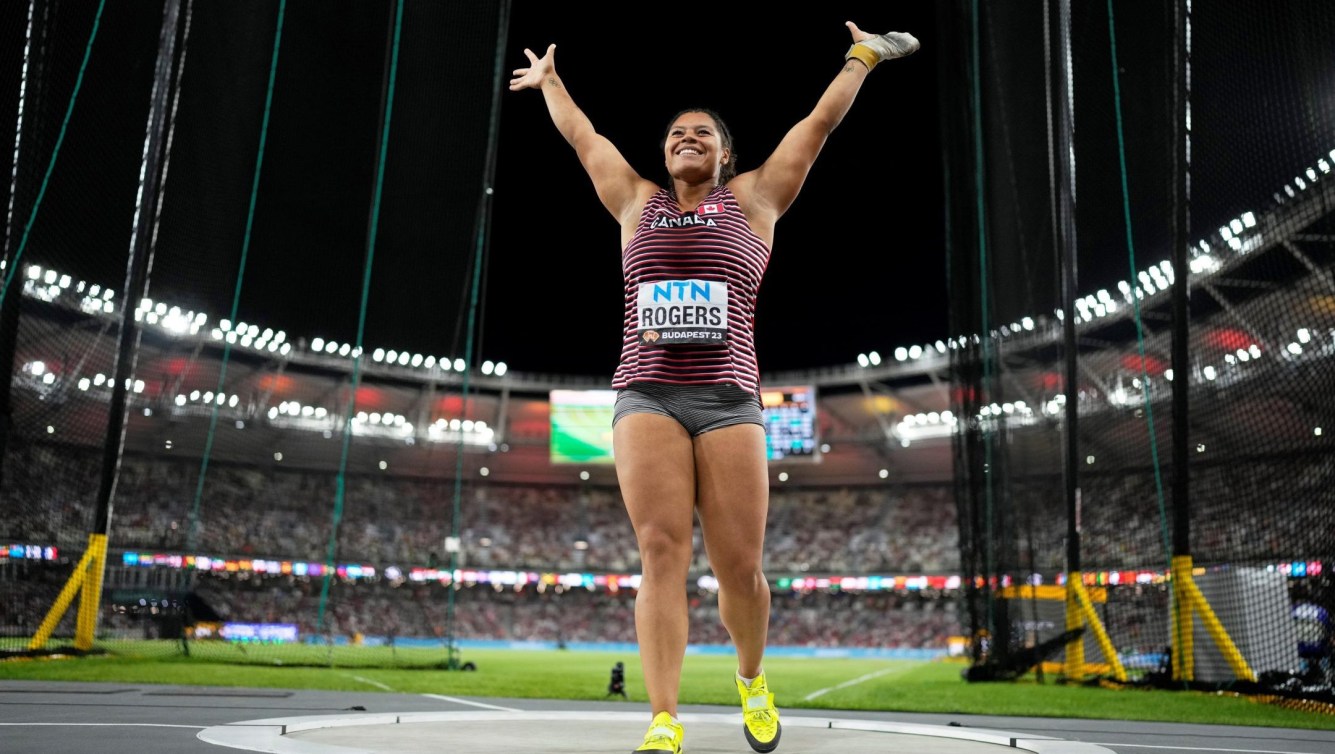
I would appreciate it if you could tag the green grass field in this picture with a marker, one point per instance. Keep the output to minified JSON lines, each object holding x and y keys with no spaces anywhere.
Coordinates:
{"x":883,"y":685}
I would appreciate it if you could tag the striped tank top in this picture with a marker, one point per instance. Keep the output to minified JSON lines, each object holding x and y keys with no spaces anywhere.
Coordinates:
{"x":691,"y":284}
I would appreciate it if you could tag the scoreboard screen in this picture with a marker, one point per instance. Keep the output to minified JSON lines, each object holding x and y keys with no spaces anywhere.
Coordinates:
{"x":581,"y":426}
{"x":790,"y":423}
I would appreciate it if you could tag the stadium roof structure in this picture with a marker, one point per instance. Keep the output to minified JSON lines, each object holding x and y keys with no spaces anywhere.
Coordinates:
{"x":1264,"y":310}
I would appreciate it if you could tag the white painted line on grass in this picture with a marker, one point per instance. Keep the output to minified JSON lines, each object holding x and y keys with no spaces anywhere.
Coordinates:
{"x":854,"y":682}
{"x":111,"y":725}
{"x":474,"y":704}
{"x":377,"y":684}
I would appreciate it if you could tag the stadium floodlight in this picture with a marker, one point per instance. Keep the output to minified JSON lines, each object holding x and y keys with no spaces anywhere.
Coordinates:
{"x":99,"y":379}
{"x":320,"y":412}
{"x":1254,"y":350}
{"x":874,"y":358}
{"x":404,"y":356}
{"x":429,"y":362}
{"x":1289,"y":190}
{"x":49,"y":378}
{"x":1304,"y":335}
{"x":65,"y":281}
{"x":1295,"y":349}
{"x":383,"y":465}
{"x":488,"y":367}
{"x":584,"y":476}
{"x":317,"y":344}
{"x":1325,"y":166}
{"x":1209,"y":372}
{"x":232,"y":401}
{"x":1225,"y":232}
{"x":1235,"y":225}
{"x":50,"y":277}
{"x":283,"y":349}
{"x":915,"y":352}
{"x":501,"y":369}
{"x":460,"y":365}
{"x":330,"y":347}
{"x":1316,"y":431}
{"x":1249,"y":219}
{"x":345,"y":349}
{"x":84,"y":383}
{"x":783,"y":476}
{"x":245,"y":341}
{"x":417,"y":360}
{"x":308,"y":411}
{"x":392,"y":356}
{"x":194,"y":395}
{"x":1243,"y":355}
{"x":484,"y":471}
{"x":1168,"y":375}
{"x":34,"y":272}
{"x":1299,"y":182}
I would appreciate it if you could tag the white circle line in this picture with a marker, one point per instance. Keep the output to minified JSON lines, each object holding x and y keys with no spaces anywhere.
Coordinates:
{"x":269,"y":735}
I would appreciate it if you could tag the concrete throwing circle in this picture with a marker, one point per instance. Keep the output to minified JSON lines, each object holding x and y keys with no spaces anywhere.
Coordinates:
{"x":484,"y":732}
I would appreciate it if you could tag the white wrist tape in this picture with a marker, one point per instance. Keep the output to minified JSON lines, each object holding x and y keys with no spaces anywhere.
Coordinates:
{"x":888,"y":46}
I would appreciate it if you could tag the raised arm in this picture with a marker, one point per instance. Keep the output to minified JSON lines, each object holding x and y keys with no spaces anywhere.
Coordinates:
{"x":617,"y":183}
{"x":770,"y":189}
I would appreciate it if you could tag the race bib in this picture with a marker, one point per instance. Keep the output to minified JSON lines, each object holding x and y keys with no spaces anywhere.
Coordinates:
{"x":679,"y":312}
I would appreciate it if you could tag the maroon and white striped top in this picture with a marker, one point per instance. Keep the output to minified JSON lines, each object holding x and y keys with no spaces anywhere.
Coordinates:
{"x":713,"y":244}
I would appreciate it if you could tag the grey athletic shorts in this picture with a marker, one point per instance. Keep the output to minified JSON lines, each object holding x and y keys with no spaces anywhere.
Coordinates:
{"x":698,"y":408}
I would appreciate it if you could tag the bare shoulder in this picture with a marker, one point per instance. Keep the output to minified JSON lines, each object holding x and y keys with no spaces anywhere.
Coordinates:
{"x":630,"y":217}
{"x":759,"y":214}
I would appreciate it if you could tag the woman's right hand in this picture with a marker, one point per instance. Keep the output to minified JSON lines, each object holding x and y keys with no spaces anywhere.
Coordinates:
{"x":538,"y":70}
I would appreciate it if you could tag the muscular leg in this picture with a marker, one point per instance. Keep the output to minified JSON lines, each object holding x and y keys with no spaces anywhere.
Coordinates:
{"x":733,"y":492}
{"x":656,"y":472}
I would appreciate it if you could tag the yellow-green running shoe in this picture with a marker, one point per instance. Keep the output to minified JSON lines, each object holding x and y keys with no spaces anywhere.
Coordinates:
{"x":760,"y":721}
{"x":664,"y":734}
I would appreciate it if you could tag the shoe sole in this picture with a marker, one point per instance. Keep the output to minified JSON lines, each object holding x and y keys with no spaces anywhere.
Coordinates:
{"x":763,"y":748}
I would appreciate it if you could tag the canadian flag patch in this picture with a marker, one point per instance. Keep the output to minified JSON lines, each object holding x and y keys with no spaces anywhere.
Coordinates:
{"x":715,"y":208}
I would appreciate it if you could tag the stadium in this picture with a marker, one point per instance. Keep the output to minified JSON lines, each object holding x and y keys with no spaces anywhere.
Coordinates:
{"x":1100,"y":488}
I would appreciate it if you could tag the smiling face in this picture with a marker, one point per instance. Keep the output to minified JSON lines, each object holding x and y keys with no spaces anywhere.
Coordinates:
{"x":696,"y":148}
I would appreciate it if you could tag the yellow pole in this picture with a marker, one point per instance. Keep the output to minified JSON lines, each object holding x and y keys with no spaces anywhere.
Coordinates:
{"x":90,"y":600}
{"x":61,"y":604}
{"x":1100,"y":634}
{"x":1221,"y":638}
{"x":1075,"y":650}
{"x":1183,"y":640}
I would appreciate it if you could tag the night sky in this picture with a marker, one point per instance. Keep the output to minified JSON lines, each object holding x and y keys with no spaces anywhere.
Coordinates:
{"x":858,"y":262}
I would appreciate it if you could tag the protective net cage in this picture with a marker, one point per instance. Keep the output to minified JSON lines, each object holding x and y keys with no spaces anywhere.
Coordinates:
{"x":180,"y":477}
{"x":1142,"y":262}
{"x":175,"y":478}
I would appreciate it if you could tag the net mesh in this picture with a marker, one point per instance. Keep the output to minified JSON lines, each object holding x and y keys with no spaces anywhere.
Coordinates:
{"x":1258,"y":517}
{"x":162,"y":160}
